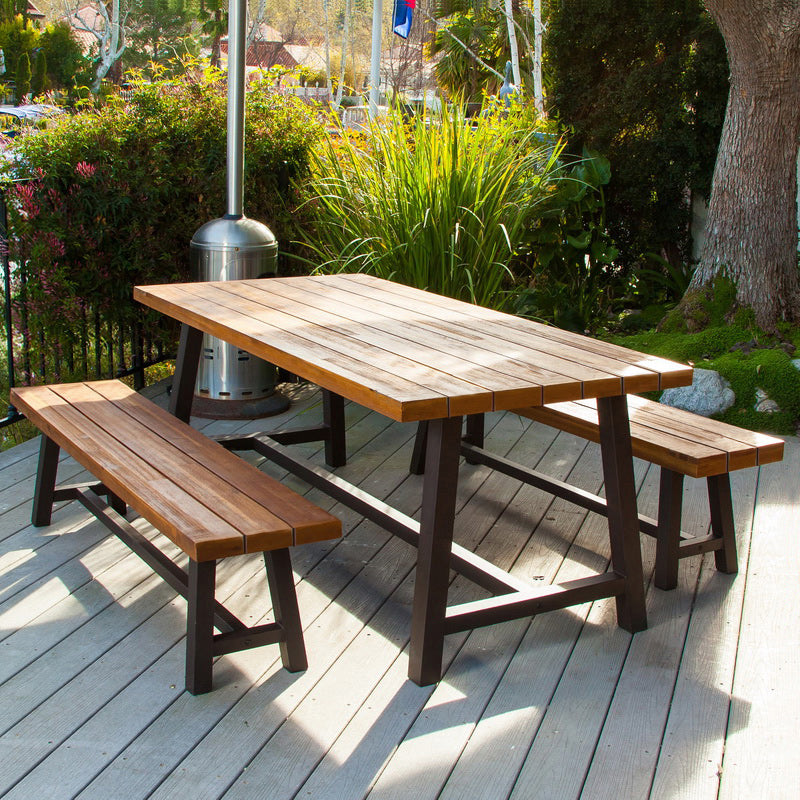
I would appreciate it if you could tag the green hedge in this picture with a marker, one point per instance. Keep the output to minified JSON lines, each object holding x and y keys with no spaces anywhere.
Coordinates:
{"x":114,"y":194}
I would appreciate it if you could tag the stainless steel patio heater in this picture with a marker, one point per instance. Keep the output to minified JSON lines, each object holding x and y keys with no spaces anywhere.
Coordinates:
{"x":232,"y":384}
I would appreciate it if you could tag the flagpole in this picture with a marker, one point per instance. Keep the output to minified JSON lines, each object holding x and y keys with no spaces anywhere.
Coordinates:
{"x":375,"y":67}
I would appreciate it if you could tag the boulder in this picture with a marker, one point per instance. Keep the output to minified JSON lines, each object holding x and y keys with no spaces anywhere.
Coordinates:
{"x":764,"y":403}
{"x":709,"y":394}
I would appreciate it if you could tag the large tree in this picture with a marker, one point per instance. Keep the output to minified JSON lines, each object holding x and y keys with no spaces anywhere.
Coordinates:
{"x":752,"y":220}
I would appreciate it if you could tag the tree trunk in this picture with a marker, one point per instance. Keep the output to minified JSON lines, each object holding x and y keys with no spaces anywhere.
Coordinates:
{"x":512,"y":44}
{"x":752,"y":218}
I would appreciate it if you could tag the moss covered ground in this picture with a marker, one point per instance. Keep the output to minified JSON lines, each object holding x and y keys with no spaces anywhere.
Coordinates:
{"x":708,"y":336}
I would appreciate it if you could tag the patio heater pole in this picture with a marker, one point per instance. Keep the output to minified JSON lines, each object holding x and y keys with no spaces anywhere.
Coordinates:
{"x":375,"y":65}
{"x":232,"y":384}
{"x":237,"y":12}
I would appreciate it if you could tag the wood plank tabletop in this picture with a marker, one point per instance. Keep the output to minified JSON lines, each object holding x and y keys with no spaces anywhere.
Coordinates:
{"x":407,"y":353}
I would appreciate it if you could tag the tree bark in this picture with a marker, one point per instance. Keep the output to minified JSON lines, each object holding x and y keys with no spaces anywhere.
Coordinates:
{"x":752,"y":220}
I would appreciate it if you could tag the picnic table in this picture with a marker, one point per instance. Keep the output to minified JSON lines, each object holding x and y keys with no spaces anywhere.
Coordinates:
{"x":416,"y":356}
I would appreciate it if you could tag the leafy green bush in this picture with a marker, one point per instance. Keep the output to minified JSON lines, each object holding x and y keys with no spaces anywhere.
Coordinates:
{"x":747,"y":357}
{"x":570,"y":255}
{"x":437,"y":203}
{"x":66,"y":66}
{"x":115,"y":194}
{"x":646,"y":84}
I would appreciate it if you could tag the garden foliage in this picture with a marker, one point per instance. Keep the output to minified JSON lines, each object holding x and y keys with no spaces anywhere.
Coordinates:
{"x":572,"y":279}
{"x":54,"y":49}
{"x":114,"y":194}
{"x":646,"y":84}
{"x":440,"y":203}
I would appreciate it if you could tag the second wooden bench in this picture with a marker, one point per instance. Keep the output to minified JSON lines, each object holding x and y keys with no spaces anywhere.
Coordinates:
{"x":679,"y":442}
{"x":206,"y":500}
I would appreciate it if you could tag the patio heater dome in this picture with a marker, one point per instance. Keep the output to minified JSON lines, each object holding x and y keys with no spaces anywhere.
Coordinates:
{"x":232,"y":384}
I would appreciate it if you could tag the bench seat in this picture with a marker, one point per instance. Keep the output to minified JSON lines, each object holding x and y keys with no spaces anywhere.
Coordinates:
{"x":207,"y":501}
{"x":678,"y":442}
{"x":681,"y":444}
{"x":670,"y":437}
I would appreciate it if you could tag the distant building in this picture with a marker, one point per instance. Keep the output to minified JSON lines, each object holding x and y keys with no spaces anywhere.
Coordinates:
{"x":90,"y":18}
{"x":33,"y":12}
{"x":268,"y":49}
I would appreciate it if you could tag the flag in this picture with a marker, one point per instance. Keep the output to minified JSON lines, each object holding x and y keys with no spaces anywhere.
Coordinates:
{"x":401,"y":21}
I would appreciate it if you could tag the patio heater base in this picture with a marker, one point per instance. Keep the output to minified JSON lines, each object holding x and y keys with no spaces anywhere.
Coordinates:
{"x":212,"y":408}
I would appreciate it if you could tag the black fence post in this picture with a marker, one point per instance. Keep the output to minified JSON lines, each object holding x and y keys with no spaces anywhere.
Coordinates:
{"x":12,"y":415}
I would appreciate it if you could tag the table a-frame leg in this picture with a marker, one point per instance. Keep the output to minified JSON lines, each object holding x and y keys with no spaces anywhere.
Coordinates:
{"x":186,"y":367}
{"x":623,"y":519}
{"x":435,"y":540}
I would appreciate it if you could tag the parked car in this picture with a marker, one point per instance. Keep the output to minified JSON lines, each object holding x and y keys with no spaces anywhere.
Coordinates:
{"x":14,"y":118}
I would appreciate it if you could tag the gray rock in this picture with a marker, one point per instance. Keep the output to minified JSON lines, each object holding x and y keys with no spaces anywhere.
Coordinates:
{"x":764,"y":403}
{"x":709,"y":394}
{"x":796,"y":363}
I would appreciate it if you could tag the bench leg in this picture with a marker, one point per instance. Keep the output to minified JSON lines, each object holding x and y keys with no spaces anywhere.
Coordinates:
{"x":670,"y":503}
{"x":284,"y":606}
{"x":45,"y":482}
{"x":333,"y":419}
{"x":118,"y":504}
{"x":200,"y":626}
{"x":722,"y":527}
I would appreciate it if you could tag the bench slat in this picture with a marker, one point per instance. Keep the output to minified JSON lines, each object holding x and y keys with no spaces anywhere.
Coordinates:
{"x":199,"y":532}
{"x":308,"y":522}
{"x":670,"y":437}
{"x":729,"y":437}
{"x":191,"y":475}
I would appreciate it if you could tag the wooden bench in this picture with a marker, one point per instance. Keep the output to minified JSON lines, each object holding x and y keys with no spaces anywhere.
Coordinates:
{"x":206,"y":500}
{"x":679,"y":442}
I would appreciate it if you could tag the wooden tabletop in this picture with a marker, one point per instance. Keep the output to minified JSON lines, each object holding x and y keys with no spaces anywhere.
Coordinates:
{"x":407,"y":353}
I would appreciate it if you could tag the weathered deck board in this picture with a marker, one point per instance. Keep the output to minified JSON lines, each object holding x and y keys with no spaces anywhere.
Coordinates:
{"x":563,"y":706}
{"x":760,"y":752}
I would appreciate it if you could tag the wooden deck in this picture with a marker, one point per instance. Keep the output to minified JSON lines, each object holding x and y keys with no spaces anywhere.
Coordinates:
{"x":703,"y":704}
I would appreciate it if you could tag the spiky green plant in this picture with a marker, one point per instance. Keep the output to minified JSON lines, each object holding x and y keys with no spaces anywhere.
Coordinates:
{"x":437,"y":203}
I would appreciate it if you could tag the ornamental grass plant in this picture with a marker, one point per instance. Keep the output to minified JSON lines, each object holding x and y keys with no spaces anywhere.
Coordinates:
{"x":437,"y":202}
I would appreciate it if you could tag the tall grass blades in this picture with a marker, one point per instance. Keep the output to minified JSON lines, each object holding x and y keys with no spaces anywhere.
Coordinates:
{"x":437,"y":203}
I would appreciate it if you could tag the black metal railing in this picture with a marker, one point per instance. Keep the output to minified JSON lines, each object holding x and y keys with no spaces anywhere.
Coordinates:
{"x":99,"y":347}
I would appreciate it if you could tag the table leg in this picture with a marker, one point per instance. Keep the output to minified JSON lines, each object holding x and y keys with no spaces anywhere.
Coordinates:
{"x":417,"y":466}
{"x":623,"y":520}
{"x":333,"y":419}
{"x":186,"y":366}
{"x":435,"y":540}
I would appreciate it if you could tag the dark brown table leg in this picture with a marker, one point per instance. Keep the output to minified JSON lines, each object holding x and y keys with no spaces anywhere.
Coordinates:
{"x":186,"y":366}
{"x":333,"y":420}
{"x":623,"y":520}
{"x":435,"y":540}
{"x":474,"y":435}
{"x":417,"y":466}
{"x":45,"y":482}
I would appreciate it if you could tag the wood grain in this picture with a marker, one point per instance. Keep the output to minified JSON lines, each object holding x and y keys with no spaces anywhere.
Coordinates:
{"x":406,"y":353}
{"x":673,"y":438}
{"x":207,"y":500}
